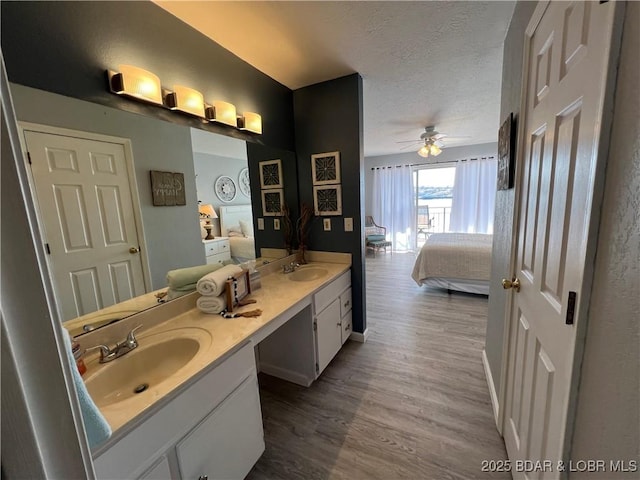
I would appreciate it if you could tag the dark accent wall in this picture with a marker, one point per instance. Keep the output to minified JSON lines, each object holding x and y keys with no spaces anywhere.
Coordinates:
{"x":504,"y":212}
{"x":270,"y":238}
{"x":66,"y":47}
{"x":328,"y":117}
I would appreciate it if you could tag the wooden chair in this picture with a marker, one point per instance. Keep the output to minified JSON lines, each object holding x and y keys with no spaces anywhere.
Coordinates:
{"x":375,"y":236}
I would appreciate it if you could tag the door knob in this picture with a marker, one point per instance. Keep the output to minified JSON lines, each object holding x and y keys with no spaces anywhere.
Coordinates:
{"x":134,"y":250}
{"x":513,"y":283}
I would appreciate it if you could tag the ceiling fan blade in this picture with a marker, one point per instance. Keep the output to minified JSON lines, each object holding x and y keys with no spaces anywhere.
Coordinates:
{"x":409,"y":146}
{"x":410,"y":141}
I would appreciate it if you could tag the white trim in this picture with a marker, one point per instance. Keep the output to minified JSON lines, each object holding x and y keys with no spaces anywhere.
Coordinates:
{"x":492,"y":387}
{"x":131,"y":174}
{"x":359,"y":337}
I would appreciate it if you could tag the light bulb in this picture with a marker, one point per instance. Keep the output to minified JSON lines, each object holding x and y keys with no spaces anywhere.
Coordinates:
{"x":424,"y":151}
{"x":435,"y":150}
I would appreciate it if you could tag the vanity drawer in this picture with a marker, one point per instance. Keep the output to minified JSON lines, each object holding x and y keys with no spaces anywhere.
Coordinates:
{"x":328,"y":294}
{"x":347,"y":326}
{"x":345,"y":302}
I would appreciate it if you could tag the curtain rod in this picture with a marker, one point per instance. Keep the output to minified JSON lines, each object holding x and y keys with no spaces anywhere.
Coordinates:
{"x":434,"y":163}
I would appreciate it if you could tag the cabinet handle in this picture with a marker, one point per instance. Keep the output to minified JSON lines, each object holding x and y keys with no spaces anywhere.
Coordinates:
{"x":346,"y":328}
{"x":339,"y":324}
{"x":203,"y":477}
{"x":346,"y":304}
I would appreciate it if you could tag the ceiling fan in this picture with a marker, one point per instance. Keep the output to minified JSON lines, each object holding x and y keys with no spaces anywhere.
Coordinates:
{"x":430,"y":140}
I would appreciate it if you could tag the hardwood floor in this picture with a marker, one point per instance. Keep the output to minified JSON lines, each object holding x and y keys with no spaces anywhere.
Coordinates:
{"x":412,"y":402}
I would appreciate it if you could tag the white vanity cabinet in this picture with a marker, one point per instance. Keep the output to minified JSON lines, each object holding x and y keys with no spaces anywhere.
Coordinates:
{"x":217,"y":250}
{"x":213,"y":428}
{"x":332,"y":319}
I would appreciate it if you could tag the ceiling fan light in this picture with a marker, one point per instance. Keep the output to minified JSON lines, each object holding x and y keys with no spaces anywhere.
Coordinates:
{"x":424,"y":151}
{"x":435,"y":150}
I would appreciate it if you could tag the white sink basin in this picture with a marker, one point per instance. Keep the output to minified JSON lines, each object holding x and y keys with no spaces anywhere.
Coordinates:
{"x":307,"y":274}
{"x":157,"y":358}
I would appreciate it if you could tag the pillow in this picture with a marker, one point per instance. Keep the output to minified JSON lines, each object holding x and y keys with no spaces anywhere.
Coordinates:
{"x":247,"y":228}
{"x":234,"y":229}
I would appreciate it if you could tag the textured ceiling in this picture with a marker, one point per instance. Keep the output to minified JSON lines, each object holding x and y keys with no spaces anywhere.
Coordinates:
{"x":423,"y":63}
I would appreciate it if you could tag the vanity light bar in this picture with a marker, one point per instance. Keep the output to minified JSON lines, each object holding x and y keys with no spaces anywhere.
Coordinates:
{"x":250,"y":122}
{"x":140,"y":84}
{"x":136,"y":83}
{"x":186,"y":100}
{"x":222,"y":112}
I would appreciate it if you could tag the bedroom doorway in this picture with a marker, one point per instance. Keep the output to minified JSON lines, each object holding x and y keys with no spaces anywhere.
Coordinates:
{"x":433,"y":193}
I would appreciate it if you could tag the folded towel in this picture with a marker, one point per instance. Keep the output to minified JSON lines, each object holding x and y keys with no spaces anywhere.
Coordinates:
{"x":213,"y":283}
{"x":178,"y":292}
{"x":182,"y":277}
{"x":95,"y":425}
{"x":210,"y":304}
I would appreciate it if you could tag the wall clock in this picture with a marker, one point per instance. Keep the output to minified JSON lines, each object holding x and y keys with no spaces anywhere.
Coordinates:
{"x":243,"y":182}
{"x":225,"y":188}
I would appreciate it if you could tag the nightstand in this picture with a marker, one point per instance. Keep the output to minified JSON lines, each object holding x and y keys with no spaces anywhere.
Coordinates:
{"x":217,"y":250}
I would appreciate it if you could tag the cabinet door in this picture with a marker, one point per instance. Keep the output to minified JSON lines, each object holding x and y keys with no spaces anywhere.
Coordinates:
{"x":229,"y":441}
{"x":329,"y":335}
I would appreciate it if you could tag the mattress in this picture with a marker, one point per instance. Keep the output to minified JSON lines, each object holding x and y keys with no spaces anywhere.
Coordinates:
{"x":450,"y":256}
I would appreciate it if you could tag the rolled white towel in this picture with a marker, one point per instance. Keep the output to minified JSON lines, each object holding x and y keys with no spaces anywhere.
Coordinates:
{"x":213,"y":283}
{"x":210,"y":304}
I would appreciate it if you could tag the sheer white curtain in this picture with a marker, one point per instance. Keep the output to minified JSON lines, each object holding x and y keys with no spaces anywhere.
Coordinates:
{"x":394,"y":204}
{"x":474,"y":194}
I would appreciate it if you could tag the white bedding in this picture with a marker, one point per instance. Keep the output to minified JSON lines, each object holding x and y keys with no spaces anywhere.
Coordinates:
{"x":242,"y":248}
{"x":236,"y":222}
{"x":448,"y":257}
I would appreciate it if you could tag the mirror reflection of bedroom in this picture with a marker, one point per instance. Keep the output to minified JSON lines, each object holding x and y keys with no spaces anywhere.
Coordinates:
{"x":224,"y":197}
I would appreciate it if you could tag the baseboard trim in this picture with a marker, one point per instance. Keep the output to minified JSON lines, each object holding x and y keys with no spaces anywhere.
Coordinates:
{"x":492,"y":387}
{"x":359,"y":337}
{"x":284,"y":374}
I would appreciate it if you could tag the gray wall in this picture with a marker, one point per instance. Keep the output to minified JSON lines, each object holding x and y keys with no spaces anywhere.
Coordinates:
{"x":328,"y":117}
{"x":172,"y":233}
{"x":412,"y":158}
{"x":608,"y":411}
{"x":504,"y":213}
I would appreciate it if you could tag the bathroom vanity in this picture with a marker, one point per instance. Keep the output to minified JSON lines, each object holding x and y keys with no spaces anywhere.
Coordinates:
{"x":204,"y":420}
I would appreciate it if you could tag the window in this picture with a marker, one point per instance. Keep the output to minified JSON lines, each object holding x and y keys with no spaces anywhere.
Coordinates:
{"x":433,"y":188}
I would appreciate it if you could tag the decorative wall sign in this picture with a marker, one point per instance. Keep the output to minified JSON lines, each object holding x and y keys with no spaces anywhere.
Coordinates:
{"x":327,"y":200}
{"x":225,"y":188}
{"x":506,"y":153}
{"x":243,"y":182}
{"x":272,"y":201}
{"x":325,"y":168}
{"x":271,"y":174}
{"x":167,"y":188}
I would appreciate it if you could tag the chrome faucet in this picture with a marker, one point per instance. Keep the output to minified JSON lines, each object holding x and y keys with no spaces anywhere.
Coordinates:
{"x":121,"y":348}
{"x":290,"y":268}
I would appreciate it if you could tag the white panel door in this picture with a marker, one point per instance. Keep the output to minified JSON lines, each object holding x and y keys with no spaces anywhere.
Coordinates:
{"x":86,"y":211}
{"x":566,"y":62}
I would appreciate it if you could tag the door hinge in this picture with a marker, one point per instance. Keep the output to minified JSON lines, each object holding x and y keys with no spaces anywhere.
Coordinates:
{"x":29,"y":158}
{"x":46,"y":246}
{"x":317,"y":369}
{"x":571,"y":308}
{"x":315,"y":326}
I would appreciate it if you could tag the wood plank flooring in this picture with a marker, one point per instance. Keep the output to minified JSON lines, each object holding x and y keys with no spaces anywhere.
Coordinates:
{"x":412,"y":402}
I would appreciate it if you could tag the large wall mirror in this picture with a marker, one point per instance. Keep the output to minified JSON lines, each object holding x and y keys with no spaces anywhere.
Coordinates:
{"x":121,"y":217}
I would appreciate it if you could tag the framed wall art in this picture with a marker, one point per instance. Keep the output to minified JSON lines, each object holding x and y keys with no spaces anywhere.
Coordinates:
{"x":506,"y":153}
{"x":325,"y":168}
{"x":167,"y":188}
{"x":271,"y":174}
{"x":327,"y":200}
{"x":272,"y":201}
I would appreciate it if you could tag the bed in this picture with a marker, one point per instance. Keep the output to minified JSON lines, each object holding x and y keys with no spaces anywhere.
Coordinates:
{"x":236,"y":222}
{"x":455,"y":261}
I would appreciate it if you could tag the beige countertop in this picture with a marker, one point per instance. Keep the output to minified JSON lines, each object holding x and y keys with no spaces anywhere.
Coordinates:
{"x":278,"y":295}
